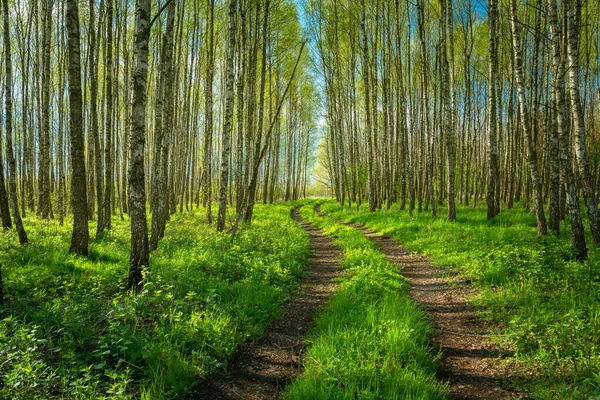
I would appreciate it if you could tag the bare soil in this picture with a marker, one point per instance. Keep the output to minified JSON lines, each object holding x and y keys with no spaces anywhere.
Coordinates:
{"x":261,"y":370}
{"x":473,"y":367}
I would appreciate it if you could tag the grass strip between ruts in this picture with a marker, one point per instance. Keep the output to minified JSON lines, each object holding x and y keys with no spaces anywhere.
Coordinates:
{"x":371,"y":341}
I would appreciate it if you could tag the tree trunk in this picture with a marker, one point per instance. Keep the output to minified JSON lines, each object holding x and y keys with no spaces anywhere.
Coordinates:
{"x":447,"y":104}
{"x":492,"y":112}
{"x":250,"y":194}
{"x":426,"y":131}
{"x":554,"y":204}
{"x":97,"y":160}
{"x":126,"y":107}
{"x":4,"y":210}
{"x":578,"y":120}
{"x":525,"y":122}
{"x":139,"y":255}
{"x":27,"y":170}
{"x":12,"y":180}
{"x":561,"y":111}
{"x":251,"y":190}
{"x":208,"y":131}
{"x":44,"y":180}
{"x":241,"y":90}
{"x":80,"y":237}
{"x":108,"y":141}
{"x":226,"y":137}
{"x":368,"y":127}
{"x":60,"y":145}
{"x":162,"y":132}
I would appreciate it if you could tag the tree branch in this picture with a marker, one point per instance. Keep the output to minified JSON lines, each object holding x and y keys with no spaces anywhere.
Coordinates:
{"x":287,"y":88}
{"x":163,"y":8}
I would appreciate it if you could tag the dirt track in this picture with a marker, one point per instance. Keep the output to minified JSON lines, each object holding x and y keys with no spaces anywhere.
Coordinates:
{"x":473,"y":367}
{"x":261,"y":370}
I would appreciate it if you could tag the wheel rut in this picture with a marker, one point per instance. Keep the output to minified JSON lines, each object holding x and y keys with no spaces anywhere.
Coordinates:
{"x":262,"y":369}
{"x":473,"y":367}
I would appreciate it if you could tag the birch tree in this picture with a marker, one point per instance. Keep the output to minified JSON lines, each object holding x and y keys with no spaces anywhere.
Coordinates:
{"x":525,"y":120}
{"x":12,"y":165}
{"x":578,"y":119}
{"x":559,"y":124}
{"x":162,"y":128}
{"x":492,"y":112}
{"x":139,"y":255}
{"x":226,"y":136}
{"x":80,"y":236}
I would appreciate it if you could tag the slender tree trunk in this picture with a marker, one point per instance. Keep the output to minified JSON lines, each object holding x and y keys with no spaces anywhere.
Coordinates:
{"x":27,"y":171}
{"x":525,"y":122}
{"x":162,"y":131}
{"x":269,"y":161}
{"x":241,"y":112}
{"x":512,"y":129}
{"x":60,"y":145}
{"x":560,"y":108}
{"x":251,"y":190}
{"x":167,"y":190}
{"x":108,"y":141}
{"x":12,"y":166}
{"x":492,"y":112}
{"x":447,"y":104}
{"x":126,"y":107}
{"x":246,"y":150}
{"x":263,"y":148}
{"x":44,"y":179}
{"x":59,"y":150}
{"x":80,"y":237}
{"x":226,"y":137}
{"x":368,"y":127}
{"x":139,"y":256}
{"x":166,"y":201}
{"x":374,"y":116}
{"x":208,"y":131}
{"x":29,"y":133}
{"x":553,"y":137}
{"x":426,"y":131}
{"x":578,"y":119}
{"x":4,"y":210}
{"x":98,"y":167}
{"x":277,"y":149}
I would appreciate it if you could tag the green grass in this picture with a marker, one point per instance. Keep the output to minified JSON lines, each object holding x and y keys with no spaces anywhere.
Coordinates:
{"x":371,"y":341}
{"x":547,"y":303}
{"x":70,"y":330}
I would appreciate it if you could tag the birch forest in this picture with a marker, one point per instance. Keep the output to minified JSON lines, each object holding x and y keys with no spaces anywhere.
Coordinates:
{"x":212,"y":199}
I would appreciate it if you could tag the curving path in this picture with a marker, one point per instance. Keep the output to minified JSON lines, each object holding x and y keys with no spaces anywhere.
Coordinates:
{"x":473,"y":367}
{"x":261,"y":370}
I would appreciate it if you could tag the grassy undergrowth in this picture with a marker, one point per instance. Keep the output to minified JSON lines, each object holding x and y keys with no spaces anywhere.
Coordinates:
{"x":370,"y":342}
{"x":70,"y":330}
{"x":547,"y":303}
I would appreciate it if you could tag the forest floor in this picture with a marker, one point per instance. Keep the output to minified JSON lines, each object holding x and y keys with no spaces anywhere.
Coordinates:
{"x":493,"y":310}
{"x":262,"y":369}
{"x":473,"y":367}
